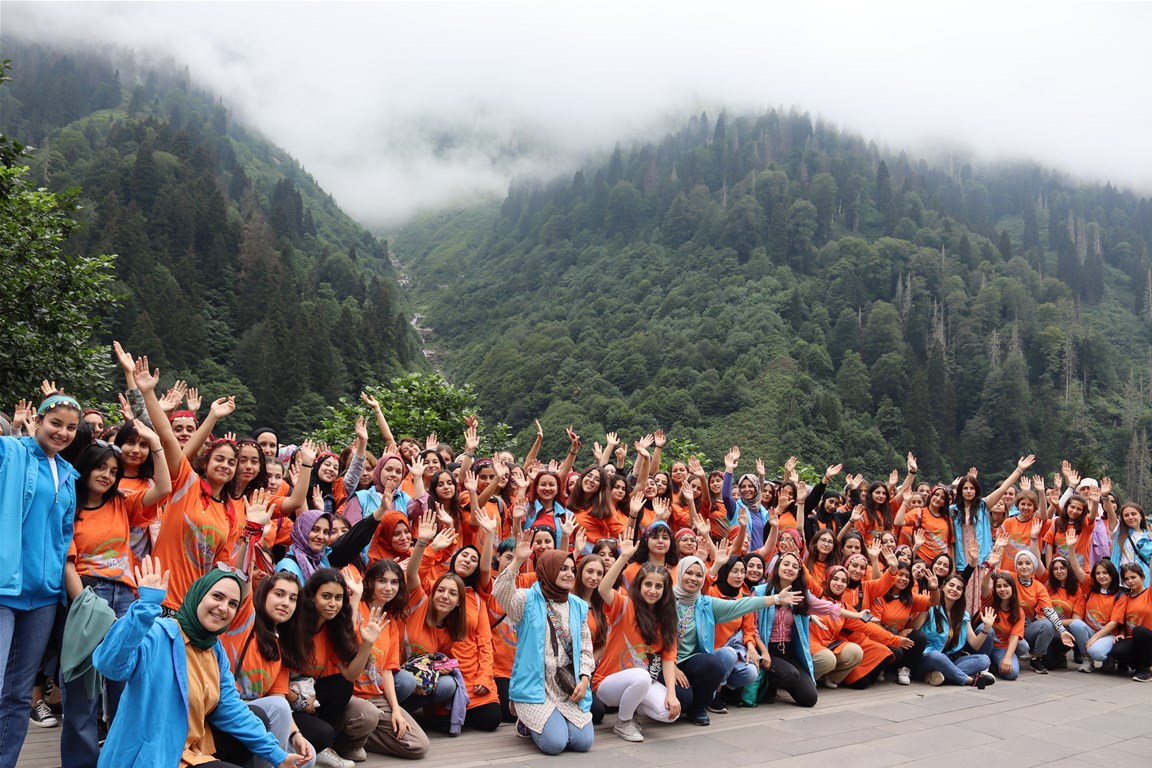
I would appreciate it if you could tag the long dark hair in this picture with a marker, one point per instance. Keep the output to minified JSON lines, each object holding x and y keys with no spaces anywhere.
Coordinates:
{"x":1013,"y":601}
{"x":456,"y":622}
{"x":966,"y":513}
{"x":397,"y":607}
{"x":799,"y":585}
{"x":126,"y":432}
{"x":954,"y":615}
{"x":594,"y":600}
{"x":874,"y":516}
{"x":1070,"y":584}
{"x":283,"y":641}
{"x":814,"y":555}
{"x":671,"y":557}
{"x":452,"y":506}
{"x":1110,"y":567}
{"x":341,"y":632}
{"x":261,"y":479}
{"x":89,"y":460}
{"x":200,"y":465}
{"x":657,"y":623}
{"x":904,"y":595}
{"x":599,"y":502}
{"x":1065,"y":522}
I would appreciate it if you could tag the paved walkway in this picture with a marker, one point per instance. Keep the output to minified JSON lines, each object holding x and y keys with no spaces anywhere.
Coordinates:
{"x":1064,"y":719}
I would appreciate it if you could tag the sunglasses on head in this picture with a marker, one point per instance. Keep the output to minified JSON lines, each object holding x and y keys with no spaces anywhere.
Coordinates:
{"x":222,"y":566}
{"x":105,"y":444}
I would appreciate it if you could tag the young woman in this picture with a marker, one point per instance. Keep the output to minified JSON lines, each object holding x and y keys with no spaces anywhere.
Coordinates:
{"x":139,"y":464}
{"x":37,"y":507}
{"x":592,"y":504}
{"x":169,"y":663}
{"x":261,"y":655}
{"x":1134,"y":652}
{"x":99,"y":557}
{"x":784,"y":629}
{"x":750,"y":498}
{"x":544,"y":502}
{"x":1042,"y":623}
{"x":590,"y":572}
{"x":396,"y":732}
{"x":736,"y":641}
{"x":392,"y":539}
{"x":1098,"y":615}
{"x":1131,"y":539}
{"x":899,"y":610}
{"x":1024,"y":531}
{"x":755,"y":569}
{"x":336,"y":658}
{"x":931,"y":519}
{"x":1070,"y":535}
{"x":1063,"y":586}
{"x":840,"y":645}
{"x":656,"y":547}
{"x":503,"y":634}
{"x":949,"y":632}
{"x":637,"y":672}
{"x":1005,"y":636}
{"x":554,"y":657}
{"x":823,"y":551}
{"x":390,"y":472}
{"x":971,"y":529}
{"x":876,"y":514}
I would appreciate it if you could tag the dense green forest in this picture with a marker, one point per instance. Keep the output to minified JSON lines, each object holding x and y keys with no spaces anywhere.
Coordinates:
{"x":236,"y":271}
{"x":773,"y":281}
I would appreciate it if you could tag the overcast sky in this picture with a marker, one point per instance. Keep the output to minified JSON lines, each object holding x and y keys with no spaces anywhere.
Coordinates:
{"x":358,"y":92}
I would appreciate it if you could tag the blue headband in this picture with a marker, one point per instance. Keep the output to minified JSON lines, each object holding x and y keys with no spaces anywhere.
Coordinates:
{"x":53,"y":401}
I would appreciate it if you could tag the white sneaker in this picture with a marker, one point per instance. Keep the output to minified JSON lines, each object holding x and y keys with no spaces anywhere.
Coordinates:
{"x":1087,"y":666}
{"x":328,"y":758}
{"x":357,"y":755}
{"x":935,"y":677}
{"x":903,"y":676}
{"x":629,"y":730}
{"x":42,"y":716}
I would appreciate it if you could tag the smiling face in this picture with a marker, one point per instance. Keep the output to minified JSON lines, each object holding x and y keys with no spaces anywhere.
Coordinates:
{"x":385,"y":588}
{"x":1075,"y":509}
{"x":542,"y":541}
{"x":590,"y":482}
{"x":546,"y":488}
{"x":280,"y":603}
{"x":328,"y":601}
{"x":445,"y":486}
{"x":318,"y":536}
{"x":825,"y":542}
{"x":183,"y":428}
{"x":953,"y":588}
{"x":715,"y":484}
{"x":591,"y":575}
{"x":248,"y":465}
{"x":660,"y":541}
{"x":1131,"y":516}
{"x":686,"y":544}
{"x":1102,"y":577}
{"x":693,"y":578}
{"x":747,"y":490}
{"x":56,"y":429}
{"x":391,"y":473}
{"x":328,"y":470}
{"x":402,"y":538}
{"x":268,"y":444}
{"x":857,"y":568}
{"x":1059,"y":570}
{"x":754,"y":570}
{"x":838,"y":583}
{"x":566,"y":578}
{"x":221,"y":465}
{"x":445,"y":597}
{"x":216,"y":611}
{"x":101,"y":479}
{"x":619,"y":490}
{"x":678,"y":471}
{"x":1024,"y":567}
{"x":1027,"y":508}
{"x":466,"y":562}
{"x":1003,"y":589}
{"x":788,"y":568}
{"x":135,"y":451}
{"x":736,"y":575}
{"x":937,"y":500}
{"x":903,"y":579}
{"x":851,"y":546}
{"x":652,"y":588}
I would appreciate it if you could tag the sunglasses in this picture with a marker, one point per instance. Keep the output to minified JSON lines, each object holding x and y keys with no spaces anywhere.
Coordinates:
{"x":105,"y":444}
{"x":222,"y":566}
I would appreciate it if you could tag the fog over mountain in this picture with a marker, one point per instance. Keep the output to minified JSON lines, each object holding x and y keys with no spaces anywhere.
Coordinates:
{"x":399,"y":107}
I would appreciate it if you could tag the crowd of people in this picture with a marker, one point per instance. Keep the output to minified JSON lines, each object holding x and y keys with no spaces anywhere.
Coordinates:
{"x":295,"y":605}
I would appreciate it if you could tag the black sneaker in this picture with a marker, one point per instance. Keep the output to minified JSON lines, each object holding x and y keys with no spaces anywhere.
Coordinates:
{"x":718,"y":706}
{"x":983,"y":680}
{"x":1143,"y":675}
{"x":42,"y":716}
{"x":1038,"y":667}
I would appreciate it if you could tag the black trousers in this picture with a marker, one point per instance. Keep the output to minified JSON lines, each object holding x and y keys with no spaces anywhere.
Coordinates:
{"x":790,"y":674}
{"x":704,"y":672}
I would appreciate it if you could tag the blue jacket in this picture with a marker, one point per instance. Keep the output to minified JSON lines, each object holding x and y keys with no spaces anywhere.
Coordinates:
{"x":289,"y":563}
{"x":527,"y":683}
{"x":558,"y":513}
{"x":44,"y":534}
{"x":938,"y":639}
{"x":767,"y":616}
{"x":983,"y":536}
{"x":148,"y":654}
{"x":1141,"y":544}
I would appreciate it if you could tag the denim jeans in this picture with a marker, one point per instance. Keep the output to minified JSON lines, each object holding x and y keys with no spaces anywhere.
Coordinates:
{"x":79,"y":734}
{"x":280,"y":725}
{"x":1083,"y":633}
{"x":406,"y":685}
{"x":1039,"y":633}
{"x":23,"y":640}
{"x":996,"y":656}
{"x":737,"y":673}
{"x":955,"y":671}
{"x":559,"y":735}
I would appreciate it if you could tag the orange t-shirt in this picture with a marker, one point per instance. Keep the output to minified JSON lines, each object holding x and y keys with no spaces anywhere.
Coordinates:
{"x":1034,"y":598}
{"x":744,"y":625}
{"x":1019,"y":537}
{"x":1064,"y":603}
{"x":1097,"y":609}
{"x":503,"y":633}
{"x":197,"y":532}
{"x":1005,"y":627}
{"x":872,"y":589}
{"x":323,"y":661}
{"x":418,"y":637}
{"x":937,"y":533}
{"x":140,"y":537}
{"x":257,"y":676}
{"x":384,"y":656}
{"x":596,"y":528}
{"x":1138,"y":611}
{"x":474,"y":653}
{"x":1057,"y":541}
{"x":100,"y":539}
{"x":625,"y":647}
{"x":895,"y":616}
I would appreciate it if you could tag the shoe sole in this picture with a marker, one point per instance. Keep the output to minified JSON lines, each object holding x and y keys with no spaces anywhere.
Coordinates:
{"x":629,"y":738}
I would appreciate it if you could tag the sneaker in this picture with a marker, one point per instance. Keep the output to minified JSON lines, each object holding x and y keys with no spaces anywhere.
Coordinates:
{"x":983,"y":680}
{"x":903,"y":676}
{"x":42,"y":716}
{"x":357,"y":755}
{"x":329,"y":759}
{"x":935,"y":677}
{"x":1077,"y":657}
{"x":1143,"y":675}
{"x":629,"y":730}
{"x":880,"y":678}
{"x":1037,"y":665}
{"x":717,"y":705}
{"x":522,"y":730}
{"x":830,"y":683}
{"x":700,"y":718}
{"x":1087,"y":666}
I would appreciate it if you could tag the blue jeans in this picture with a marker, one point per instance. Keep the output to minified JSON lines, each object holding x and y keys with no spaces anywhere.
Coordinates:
{"x":1039,"y":633}
{"x":996,"y":655}
{"x":1083,"y":633}
{"x":79,"y":734}
{"x":280,"y":725}
{"x":955,"y":672}
{"x":559,"y":734}
{"x":23,"y":640}
{"x":737,"y":673}
{"x":406,"y":685}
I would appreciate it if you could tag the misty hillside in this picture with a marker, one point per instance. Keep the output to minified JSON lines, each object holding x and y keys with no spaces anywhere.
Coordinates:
{"x":238,"y":272}
{"x":775,"y":282}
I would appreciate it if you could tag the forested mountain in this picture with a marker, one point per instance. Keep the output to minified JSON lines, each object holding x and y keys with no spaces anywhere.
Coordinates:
{"x":776,"y":282}
{"x":237,"y":272}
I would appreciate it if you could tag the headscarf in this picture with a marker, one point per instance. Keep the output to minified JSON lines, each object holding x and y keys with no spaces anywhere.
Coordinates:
{"x":197,"y":635}
{"x":1031,"y":558}
{"x":263,"y":430}
{"x":747,"y":559}
{"x":722,"y":584}
{"x":755,"y":503}
{"x":308,"y":559}
{"x":377,"y":483}
{"x":683,"y":596}
{"x":548,"y":566}
{"x":796,"y":536}
{"x":386,"y":530}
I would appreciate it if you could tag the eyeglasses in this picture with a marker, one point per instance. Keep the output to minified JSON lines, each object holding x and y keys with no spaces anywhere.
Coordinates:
{"x":105,"y":444}
{"x":222,"y":566}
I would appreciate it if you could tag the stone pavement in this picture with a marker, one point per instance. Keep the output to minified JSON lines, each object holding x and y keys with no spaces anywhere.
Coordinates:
{"x":1022,"y":723}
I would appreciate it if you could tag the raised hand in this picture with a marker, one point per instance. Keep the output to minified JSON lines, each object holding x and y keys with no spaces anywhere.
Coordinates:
{"x":145,"y":380}
{"x":1070,"y":540}
{"x":913,"y":468}
{"x":317,"y":498}
{"x":257,"y":509}
{"x":173,"y":397}
{"x":471,"y":441}
{"x":627,"y":548}
{"x":444,"y":539}
{"x":761,"y":470}
{"x":487,"y":524}
{"x":611,"y":440}
{"x":222,"y":406}
{"x":523,"y":549}
{"x":125,"y":407}
{"x":427,"y":526}
{"x":636,"y":501}
{"x":369,"y":401}
{"x":579,"y":540}
{"x":307,"y":452}
{"x":431,"y":442}
{"x":695,"y":467}
{"x":723,"y":549}
{"x":418,"y":466}
{"x":567,"y":525}
{"x":49,"y":388}
{"x":893,"y":477}
{"x":660,"y":438}
{"x":153,"y":439}
{"x":832,"y":471}
{"x":148,"y":574}
{"x":988,"y":617}
{"x":661,"y":508}
{"x":732,"y":459}
{"x":361,"y":431}
{"x":1105,"y":486}
{"x":539,"y":430}
{"x":353,"y":581}
{"x":123,"y":358}
{"x":371,"y":629}
{"x":1025,"y":484}
{"x":443,"y":519}
{"x":1025,"y":462}
{"x":642,"y":445}
{"x":192,"y":399}
{"x":230,"y":436}
{"x":470,"y":482}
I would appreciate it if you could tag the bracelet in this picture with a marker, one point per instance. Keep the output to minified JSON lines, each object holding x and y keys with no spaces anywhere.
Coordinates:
{"x":306,"y":466}
{"x":158,"y":450}
{"x":293,"y":735}
{"x":421,"y":543}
